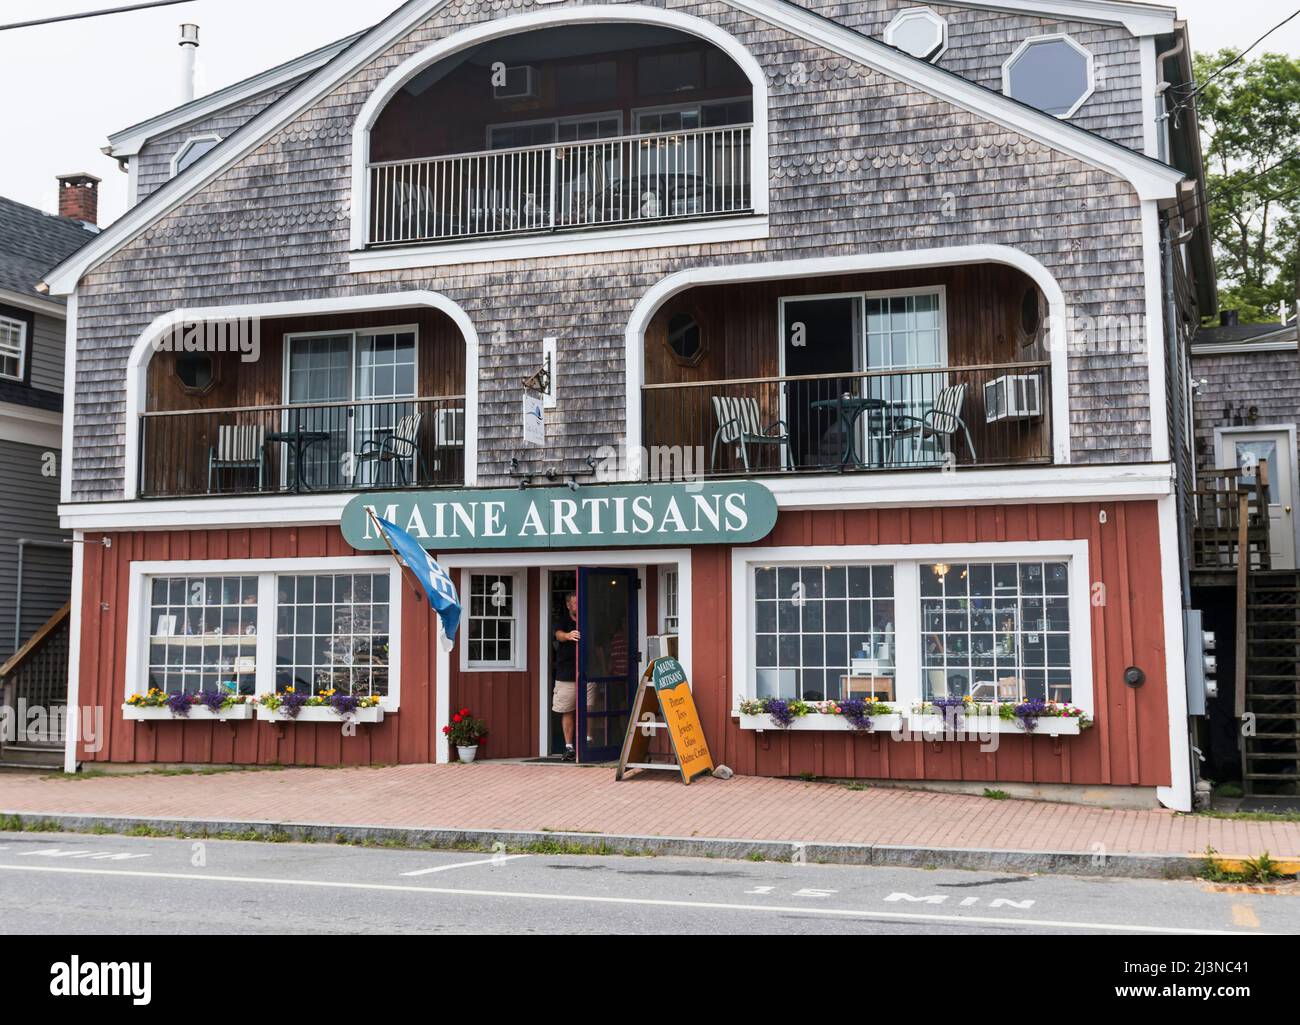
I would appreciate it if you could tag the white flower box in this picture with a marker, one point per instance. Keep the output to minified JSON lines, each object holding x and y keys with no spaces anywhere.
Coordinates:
{"x":820,"y":722}
{"x":321,"y":714}
{"x":936,"y":727}
{"x":198,"y":713}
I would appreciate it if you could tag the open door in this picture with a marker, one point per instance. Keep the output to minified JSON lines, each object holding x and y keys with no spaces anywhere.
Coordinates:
{"x":1246,"y":449}
{"x":607,"y":660}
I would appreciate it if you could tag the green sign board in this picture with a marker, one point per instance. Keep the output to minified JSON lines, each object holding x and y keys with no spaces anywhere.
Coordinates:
{"x":619,"y":515}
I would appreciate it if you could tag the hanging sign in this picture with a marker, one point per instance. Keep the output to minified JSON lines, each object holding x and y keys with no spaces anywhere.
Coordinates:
{"x":616,"y":515}
{"x":664,"y":702}
{"x":534,"y":418}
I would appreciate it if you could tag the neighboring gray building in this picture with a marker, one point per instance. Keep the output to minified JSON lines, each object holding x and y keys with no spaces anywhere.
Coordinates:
{"x":35,"y":556}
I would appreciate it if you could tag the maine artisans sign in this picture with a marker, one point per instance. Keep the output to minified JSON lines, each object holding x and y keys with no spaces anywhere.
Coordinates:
{"x":621,"y":515}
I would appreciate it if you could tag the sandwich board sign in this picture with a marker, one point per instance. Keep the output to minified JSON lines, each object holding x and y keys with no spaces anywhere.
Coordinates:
{"x":664,"y":702}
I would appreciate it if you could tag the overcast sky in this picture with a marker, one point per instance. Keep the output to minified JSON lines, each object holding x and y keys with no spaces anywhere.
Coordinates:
{"x":64,"y":88}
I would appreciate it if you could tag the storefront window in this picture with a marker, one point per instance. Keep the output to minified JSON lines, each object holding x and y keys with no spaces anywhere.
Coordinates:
{"x":332,"y":633}
{"x":203,"y":634}
{"x":996,"y":631}
{"x":492,"y":636}
{"x":824,"y":633}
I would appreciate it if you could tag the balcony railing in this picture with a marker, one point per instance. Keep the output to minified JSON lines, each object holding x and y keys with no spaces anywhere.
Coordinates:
{"x":992,"y":415}
{"x":333,"y":446}
{"x":634,"y":179}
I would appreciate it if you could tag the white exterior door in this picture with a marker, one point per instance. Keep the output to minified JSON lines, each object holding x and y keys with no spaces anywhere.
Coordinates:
{"x":1247,"y":449}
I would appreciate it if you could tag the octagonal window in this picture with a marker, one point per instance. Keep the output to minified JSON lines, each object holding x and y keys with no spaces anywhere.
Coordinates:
{"x":920,"y":32}
{"x":1053,"y":73}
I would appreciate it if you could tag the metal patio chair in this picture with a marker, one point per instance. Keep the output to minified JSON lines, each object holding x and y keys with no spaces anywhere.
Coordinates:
{"x":739,"y":424}
{"x":238,"y":447}
{"x":943,"y":421}
{"x":395,"y":447}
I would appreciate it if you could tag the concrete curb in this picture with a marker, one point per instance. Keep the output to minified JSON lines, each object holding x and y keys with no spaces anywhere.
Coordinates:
{"x":1137,"y":866}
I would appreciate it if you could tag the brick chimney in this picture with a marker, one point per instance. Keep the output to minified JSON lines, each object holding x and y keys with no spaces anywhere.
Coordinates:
{"x":79,"y":197}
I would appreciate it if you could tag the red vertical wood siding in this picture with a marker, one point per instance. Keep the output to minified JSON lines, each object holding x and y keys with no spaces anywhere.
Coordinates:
{"x":1129,"y":745}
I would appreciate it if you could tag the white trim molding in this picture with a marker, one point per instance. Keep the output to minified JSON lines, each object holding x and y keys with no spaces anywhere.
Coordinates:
{"x":906,"y":560}
{"x":518,"y":663}
{"x":920,"y":14}
{"x":591,"y":14}
{"x":138,"y":615}
{"x":632,"y":558}
{"x":865,"y":263}
{"x":137,"y":369}
{"x":1178,"y":795}
{"x":34,"y":303}
{"x":1090,"y":64}
{"x":25,"y":425}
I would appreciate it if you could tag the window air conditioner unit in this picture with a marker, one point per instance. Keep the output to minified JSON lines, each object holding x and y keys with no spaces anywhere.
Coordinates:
{"x":520,"y":84}
{"x":450,"y":432}
{"x":1013,"y":397}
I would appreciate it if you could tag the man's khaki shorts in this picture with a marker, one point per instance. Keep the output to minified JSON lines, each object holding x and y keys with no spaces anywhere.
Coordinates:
{"x":565,"y":698}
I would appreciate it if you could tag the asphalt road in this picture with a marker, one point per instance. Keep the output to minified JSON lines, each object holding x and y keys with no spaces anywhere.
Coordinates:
{"x":79,"y":884}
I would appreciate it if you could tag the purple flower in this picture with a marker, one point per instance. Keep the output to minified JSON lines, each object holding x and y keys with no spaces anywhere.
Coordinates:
{"x":951,"y":710}
{"x":212,"y":700}
{"x":1028,"y":713}
{"x":855,"y":711}
{"x":344,"y":704}
{"x":180,"y":704}
{"x":292,"y":702}
{"x":780,"y":711}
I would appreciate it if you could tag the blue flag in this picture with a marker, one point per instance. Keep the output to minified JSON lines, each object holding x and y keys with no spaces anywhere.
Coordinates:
{"x":443,"y":598}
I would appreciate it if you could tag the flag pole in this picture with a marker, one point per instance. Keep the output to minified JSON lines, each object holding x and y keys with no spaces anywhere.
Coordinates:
{"x":407,"y":574}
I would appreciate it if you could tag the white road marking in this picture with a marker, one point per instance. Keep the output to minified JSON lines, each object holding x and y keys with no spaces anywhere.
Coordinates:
{"x":465,"y":864}
{"x":634,"y":901}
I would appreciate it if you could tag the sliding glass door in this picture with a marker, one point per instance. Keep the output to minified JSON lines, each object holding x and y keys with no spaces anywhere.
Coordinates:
{"x":904,"y":333}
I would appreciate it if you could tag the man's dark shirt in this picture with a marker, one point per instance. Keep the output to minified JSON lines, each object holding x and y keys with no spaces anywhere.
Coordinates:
{"x":566,"y":659}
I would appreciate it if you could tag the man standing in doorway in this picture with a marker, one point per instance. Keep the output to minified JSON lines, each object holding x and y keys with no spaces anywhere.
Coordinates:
{"x":565,"y":701}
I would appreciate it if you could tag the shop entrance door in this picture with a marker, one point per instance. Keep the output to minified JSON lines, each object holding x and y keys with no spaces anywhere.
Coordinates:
{"x":607,"y":660}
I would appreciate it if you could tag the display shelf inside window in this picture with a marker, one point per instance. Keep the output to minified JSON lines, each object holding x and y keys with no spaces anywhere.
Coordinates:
{"x":996,"y":631}
{"x":332,"y":634}
{"x":203,"y":634}
{"x":824,"y":633}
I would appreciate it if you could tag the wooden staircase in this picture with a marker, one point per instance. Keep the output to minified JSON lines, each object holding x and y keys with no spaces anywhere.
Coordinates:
{"x":37,"y":675}
{"x":1271,"y":738}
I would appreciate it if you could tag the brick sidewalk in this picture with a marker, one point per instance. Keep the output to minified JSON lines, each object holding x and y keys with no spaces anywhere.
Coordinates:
{"x":512,"y":796}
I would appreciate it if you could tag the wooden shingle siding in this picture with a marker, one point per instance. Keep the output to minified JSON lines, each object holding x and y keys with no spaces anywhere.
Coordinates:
{"x":981,"y":40}
{"x":1268,"y":381}
{"x":155,"y":157}
{"x":859,"y":163}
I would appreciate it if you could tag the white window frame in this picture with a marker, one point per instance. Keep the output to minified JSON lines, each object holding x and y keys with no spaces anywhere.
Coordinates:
{"x":23,"y":340}
{"x":672,"y":108}
{"x":555,"y":123}
{"x":266,"y":570}
{"x":1054,"y":36}
{"x":185,"y":148}
{"x":662,"y":600}
{"x":517,"y":664}
{"x":927,"y":14}
{"x":907,"y":560}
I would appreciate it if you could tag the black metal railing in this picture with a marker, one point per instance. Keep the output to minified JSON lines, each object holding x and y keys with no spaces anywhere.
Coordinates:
{"x":332,"y":446}
{"x":991,"y":415}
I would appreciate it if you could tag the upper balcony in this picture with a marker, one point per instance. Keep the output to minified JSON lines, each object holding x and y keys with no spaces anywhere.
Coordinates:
{"x":565,"y":129}
{"x":346,"y":402}
{"x":939,"y":369}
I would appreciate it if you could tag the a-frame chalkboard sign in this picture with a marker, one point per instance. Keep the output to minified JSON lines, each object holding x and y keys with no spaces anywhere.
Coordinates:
{"x":664,"y":702}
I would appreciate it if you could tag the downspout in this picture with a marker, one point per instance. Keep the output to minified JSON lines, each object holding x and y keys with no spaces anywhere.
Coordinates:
{"x":23,"y":544}
{"x":1164,"y":86}
{"x":1173,"y":374}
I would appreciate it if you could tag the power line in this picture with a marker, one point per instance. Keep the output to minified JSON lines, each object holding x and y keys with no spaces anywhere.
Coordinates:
{"x":95,"y":14}
{"x":1234,"y":62}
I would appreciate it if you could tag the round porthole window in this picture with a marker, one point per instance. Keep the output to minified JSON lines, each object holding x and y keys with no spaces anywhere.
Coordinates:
{"x":685,"y":340}
{"x":1031,"y":315}
{"x":196,"y":372}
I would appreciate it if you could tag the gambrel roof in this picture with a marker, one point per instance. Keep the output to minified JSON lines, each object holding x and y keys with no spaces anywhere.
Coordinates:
{"x":1150,"y":179}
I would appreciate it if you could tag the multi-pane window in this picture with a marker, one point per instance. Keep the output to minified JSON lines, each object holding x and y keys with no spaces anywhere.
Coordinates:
{"x":824,"y":632}
{"x":492,"y":634}
{"x":13,"y":348}
{"x":997,"y":631}
{"x":203,"y":634}
{"x":668,"y":598}
{"x":332,"y":633}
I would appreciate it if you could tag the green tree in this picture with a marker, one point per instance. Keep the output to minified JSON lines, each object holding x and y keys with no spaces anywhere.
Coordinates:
{"x":1250,"y":117}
